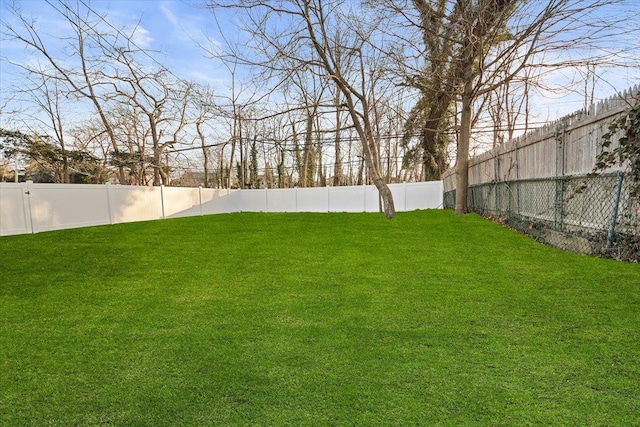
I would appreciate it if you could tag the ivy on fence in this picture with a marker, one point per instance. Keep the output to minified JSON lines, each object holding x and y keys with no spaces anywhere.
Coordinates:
{"x":628,"y":148}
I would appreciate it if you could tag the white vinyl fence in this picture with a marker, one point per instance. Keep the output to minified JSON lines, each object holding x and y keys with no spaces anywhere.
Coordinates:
{"x":32,"y":208}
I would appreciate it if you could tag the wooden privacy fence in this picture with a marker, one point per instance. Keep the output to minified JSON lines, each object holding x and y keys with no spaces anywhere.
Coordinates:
{"x":539,"y":184}
{"x":568,"y":146}
{"x":31,"y":208}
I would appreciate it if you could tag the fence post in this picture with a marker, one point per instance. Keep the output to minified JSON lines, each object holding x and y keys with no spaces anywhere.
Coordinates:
{"x":162,"y":199}
{"x":559,"y":135}
{"x":517,"y":184}
{"x":364,"y":198}
{"x":405,"y":195}
{"x":200,"y":198}
{"x":107,"y":187}
{"x":614,"y":214}
{"x":27,"y":192}
{"x":26,"y":206}
{"x":496,"y":167}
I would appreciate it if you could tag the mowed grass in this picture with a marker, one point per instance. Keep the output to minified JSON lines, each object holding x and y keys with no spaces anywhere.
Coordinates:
{"x":314,"y":319}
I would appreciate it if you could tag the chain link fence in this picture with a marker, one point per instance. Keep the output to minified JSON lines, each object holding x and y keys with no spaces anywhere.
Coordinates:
{"x":595,"y":215}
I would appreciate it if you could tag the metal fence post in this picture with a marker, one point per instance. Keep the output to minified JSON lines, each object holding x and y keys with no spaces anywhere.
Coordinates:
{"x":558,"y":217}
{"x":517,"y":181}
{"x":510,"y":196}
{"x":614,"y":214}
{"x":496,"y":178}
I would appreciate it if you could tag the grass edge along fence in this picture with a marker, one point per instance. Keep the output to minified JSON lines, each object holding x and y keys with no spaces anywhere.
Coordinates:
{"x":594,"y":215}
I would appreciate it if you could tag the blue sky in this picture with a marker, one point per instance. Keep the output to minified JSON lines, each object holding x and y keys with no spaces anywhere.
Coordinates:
{"x":176,"y":27}
{"x":173,"y":28}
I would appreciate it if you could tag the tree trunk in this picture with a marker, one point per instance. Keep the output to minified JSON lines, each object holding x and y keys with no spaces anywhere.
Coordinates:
{"x":308,"y":164}
{"x":157,"y":160}
{"x":231,"y":157}
{"x":337,"y":166}
{"x":386,"y":196}
{"x":462,"y":160}
{"x":372,"y":161}
{"x":205,"y":154}
{"x":373,"y":170}
{"x":241,"y":170}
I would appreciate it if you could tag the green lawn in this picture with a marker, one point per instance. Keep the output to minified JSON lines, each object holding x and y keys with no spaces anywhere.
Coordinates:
{"x":314,"y":319}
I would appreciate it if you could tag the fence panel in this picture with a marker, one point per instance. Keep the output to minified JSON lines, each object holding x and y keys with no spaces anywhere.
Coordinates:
{"x":347,"y":199}
{"x":428,"y":195}
{"x":57,"y":206}
{"x":14,"y":214}
{"x":312,"y":199}
{"x":281,"y":200}
{"x":567,"y":146}
{"x":250,"y":201}
{"x":181,"y":202}
{"x":129,"y":203}
{"x":372,"y":198}
{"x":217,"y":201}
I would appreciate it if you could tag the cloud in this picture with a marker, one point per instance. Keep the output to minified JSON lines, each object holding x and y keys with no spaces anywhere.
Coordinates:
{"x":169,"y":15}
{"x":142,"y":37}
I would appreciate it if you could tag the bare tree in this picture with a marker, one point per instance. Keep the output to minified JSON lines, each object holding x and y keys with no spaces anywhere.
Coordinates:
{"x":432,"y":46}
{"x":162,"y":99}
{"x":508,"y":106}
{"x":500,"y":40}
{"x":77,"y":68}
{"x":473,"y":47}
{"x":205,"y":151}
{"x":46,"y":94}
{"x":309,"y":41}
{"x":205,"y":112}
{"x":102,"y":65}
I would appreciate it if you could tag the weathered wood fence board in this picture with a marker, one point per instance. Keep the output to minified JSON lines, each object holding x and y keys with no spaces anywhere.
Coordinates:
{"x":567,"y":146}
